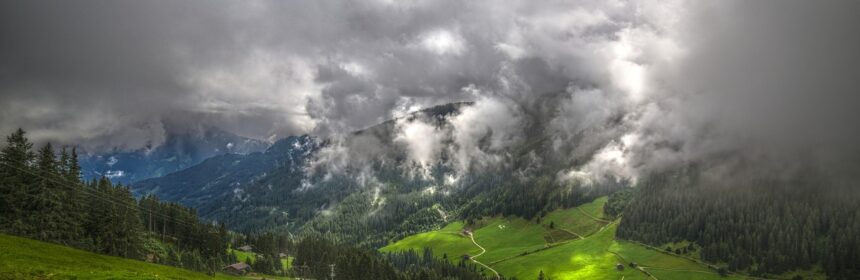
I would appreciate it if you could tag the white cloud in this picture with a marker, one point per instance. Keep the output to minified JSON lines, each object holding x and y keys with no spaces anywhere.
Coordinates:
{"x":482,"y":131}
{"x":423,"y":142}
{"x":443,"y":42}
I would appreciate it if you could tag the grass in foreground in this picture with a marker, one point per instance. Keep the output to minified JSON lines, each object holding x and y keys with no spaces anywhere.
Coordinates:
{"x":22,"y":258}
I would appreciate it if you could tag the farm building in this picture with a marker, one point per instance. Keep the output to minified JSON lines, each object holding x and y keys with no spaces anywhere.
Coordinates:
{"x":237,"y":268}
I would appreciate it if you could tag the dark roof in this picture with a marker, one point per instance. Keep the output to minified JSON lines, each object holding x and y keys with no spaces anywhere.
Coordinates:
{"x":238,"y":266}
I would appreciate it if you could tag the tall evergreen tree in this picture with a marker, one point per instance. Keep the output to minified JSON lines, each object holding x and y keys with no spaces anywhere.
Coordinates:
{"x":127,"y":224}
{"x":15,"y":159}
{"x":45,"y":203}
{"x":42,"y":196}
{"x":100,"y":215}
{"x":73,"y":206}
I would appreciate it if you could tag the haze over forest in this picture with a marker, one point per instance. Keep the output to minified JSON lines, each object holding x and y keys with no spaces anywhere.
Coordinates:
{"x":357,"y":123}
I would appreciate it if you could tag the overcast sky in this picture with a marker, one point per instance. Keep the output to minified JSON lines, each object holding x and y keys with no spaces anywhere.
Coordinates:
{"x":685,"y":78}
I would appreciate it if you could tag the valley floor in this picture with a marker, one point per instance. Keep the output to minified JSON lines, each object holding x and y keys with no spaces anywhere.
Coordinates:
{"x":575,"y":243}
{"x":22,"y":258}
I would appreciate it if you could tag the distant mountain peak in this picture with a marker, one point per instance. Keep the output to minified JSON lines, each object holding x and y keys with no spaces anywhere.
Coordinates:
{"x":184,"y":146}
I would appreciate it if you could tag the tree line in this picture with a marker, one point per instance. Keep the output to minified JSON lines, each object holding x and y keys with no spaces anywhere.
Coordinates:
{"x":42,"y":196}
{"x":319,"y":258}
{"x":763,"y":227}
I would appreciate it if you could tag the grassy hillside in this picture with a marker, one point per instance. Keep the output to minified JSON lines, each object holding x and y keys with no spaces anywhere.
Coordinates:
{"x":504,"y":238}
{"x":580,"y":244}
{"x":446,"y":241}
{"x":22,"y":258}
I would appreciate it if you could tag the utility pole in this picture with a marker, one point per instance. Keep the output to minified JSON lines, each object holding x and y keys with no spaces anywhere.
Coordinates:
{"x":331,"y":266}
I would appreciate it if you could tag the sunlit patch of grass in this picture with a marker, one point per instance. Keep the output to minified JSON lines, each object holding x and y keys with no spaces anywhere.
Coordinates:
{"x":579,"y":220}
{"x":593,"y":257}
{"x":508,"y":237}
{"x":446,"y":241}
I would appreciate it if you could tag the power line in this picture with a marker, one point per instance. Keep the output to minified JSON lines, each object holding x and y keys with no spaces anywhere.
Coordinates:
{"x":99,"y":195}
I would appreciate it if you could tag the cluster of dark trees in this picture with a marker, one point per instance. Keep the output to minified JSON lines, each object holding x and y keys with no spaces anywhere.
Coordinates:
{"x":269,"y":247}
{"x":758,"y":226}
{"x":43,"y":197}
{"x":618,"y":202}
{"x":359,"y":221}
{"x":426,"y":266}
{"x":318,"y":258}
{"x":527,"y":197}
{"x":407,"y":209}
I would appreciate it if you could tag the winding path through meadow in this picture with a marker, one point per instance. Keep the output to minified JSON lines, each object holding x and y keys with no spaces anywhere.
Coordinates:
{"x":472,"y":236}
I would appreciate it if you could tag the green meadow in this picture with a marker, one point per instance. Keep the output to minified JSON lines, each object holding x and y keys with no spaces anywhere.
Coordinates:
{"x":574,"y":243}
{"x":22,"y":258}
{"x":447,"y":241}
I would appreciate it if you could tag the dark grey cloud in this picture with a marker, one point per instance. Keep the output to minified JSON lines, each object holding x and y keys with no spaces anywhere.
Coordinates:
{"x":624,"y":87}
{"x":763,"y":86}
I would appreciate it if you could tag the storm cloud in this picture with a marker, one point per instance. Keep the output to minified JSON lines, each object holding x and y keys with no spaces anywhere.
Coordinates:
{"x":634,"y":86}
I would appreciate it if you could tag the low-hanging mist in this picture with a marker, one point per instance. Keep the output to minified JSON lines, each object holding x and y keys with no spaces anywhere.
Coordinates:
{"x":617,"y":89}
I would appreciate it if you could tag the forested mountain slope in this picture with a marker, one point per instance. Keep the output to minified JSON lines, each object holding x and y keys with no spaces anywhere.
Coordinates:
{"x":764,"y":226}
{"x":377,"y":195}
{"x":237,"y":188}
{"x":181,"y":149}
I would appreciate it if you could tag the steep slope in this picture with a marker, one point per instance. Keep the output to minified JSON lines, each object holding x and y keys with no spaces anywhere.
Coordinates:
{"x":363,"y":188}
{"x":181,"y":149}
{"x":237,"y":188}
{"x":272,"y":189}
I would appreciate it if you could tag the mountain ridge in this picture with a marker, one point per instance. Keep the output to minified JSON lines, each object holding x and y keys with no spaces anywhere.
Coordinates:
{"x":181,"y":149}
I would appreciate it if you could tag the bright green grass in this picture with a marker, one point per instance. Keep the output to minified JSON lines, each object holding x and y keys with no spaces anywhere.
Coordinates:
{"x":242,"y":255}
{"x":582,"y":259}
{"x":508,"y":237}
{"x":593,"y":257}
{"x":652,"y":258}
{"x":22,"y":258}
{"x":558,"y":235}
{"x":448,"y":241}
{"x":595,"y":208}
{"x":574,"y":220}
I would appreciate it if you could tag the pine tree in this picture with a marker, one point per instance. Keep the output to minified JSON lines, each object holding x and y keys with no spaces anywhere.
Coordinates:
{"x":127,"y":226}
{"x":45,"y":205}
{"x":75,"y":207}
{"x":100,"y":217}
{"x":15,"y":160}
{"x":42,"y":196}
